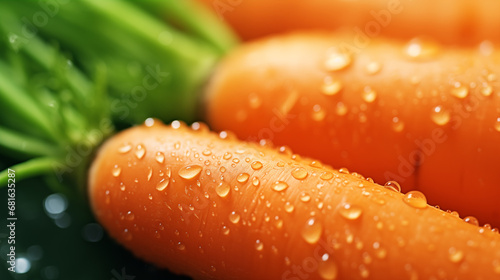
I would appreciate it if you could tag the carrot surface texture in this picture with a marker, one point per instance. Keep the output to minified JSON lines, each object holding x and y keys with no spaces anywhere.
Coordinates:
{"x":212,"y":207}
{"x":414,"y":112}
{"x":465,"y":22}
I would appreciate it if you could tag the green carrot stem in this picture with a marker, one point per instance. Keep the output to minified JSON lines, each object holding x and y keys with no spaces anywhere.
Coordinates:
{"x":28,"y":169}
{"x":24,"y":144}
{"x":195,"y":19}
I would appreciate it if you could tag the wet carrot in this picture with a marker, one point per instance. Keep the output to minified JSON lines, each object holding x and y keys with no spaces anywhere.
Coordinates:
{"x":411,"y":112}
{"x":448,"y":21}
{"x":213,"y":207}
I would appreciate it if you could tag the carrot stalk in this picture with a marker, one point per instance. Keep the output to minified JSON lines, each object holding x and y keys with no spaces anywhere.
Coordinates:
{"x":24,"y":145}
{"x":30,"y":168}
{"x":212,"y":207}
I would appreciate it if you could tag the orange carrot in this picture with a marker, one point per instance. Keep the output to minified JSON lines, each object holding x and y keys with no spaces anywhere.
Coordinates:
{"x":213,"y":207}
{"x":412,"y":112}
{"x":448,"y":21}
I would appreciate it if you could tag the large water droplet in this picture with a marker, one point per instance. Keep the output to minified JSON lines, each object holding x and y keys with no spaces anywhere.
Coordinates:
{"x":369,"y":95}
{"x":223,"y":189}
{"x":190,"y":172}
{"x":331,"y":86}
{"x":312,"y":231}
{"x":125,"y":148}
{"x":289,"y":207}
{"x":327,"y":268}
{"x":415,"y":199}
{"x":393,"y":186}
{"x":160,"y":157}
{"x":163,"y":184}
{"x":255,"y":182}
{"x":140,"y":151}
{"x":350,"y":212}
{"x":471,"y":220}
{"x":256,"y":165}
{"x":116,"y":171}
{"x":299,"y":173}
{"x":227,"y":155}
{"x":280,"y":186}
{"x":234,"y":217}
{"x":460,"y":91}
{"x":242,"y":178}
{"x":337,"y":61}
{"x":440,"y":116}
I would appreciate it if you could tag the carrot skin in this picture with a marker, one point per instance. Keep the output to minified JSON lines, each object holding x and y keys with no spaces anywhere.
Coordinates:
{"x":211,"y":222}
{"x":413,"y":112}
{"x":463,"y":22}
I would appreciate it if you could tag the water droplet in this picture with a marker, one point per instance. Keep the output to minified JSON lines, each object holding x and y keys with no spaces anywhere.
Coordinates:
{"x":471,"y":220}
{"x":227,"y":155}
{"x":393,"y":186}
{"x":222,"y":169}
{"x":190,"y":172}
{"x":299,"y":173}
{"x":351,"y":212}
{"x":225,"y":230}
{"x":373,"y":68}
{"x":327,"y":268}
{"x":160,"y":157}
{"x":369,"y":95}
{"x":255,"y":182}
{"x":341,"y":109}
{"x":440,"y":116}
{"x":223,"y":189}
{"x":304,"y":197}
{"x":312,"y":231}
{"x":460,"y":91}
{"x":180,"y":246}
{"x":127,"y":235}
{"x":318,"y":114}
{"x":344,"y":170}
{"x":242,"y":178}
{"x":326,"y":176}
{"x":455,"y":255}
{"x":256,"y":165}
{"x":415,"y":199}
{"x":289,"y":207}
{"x":125,"y":148}
{"x":259,"y":246}
{"x":397,"y":124}
{"x":177,"y":145}
{"x":418,"y":48}
{"x":163,"y":184}
{"x":129,"y":216}
{"x":234,"y":217}
{"x":206,"y":152}
{"x":140,"y":151}
{"x":254,"y":101}
{"x":280,"y":186}
{"x":337,"y":61}
{"x":331,"y":86}
{"x":497,"y":124}
{"x":116,"y":171}
{"x":486,"y":90}
{"x":150,"y":174}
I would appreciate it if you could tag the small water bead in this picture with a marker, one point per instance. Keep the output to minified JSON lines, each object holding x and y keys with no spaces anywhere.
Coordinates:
{"x":486,"y":90}
{"x":125,"y":148}
{"x":350,"y":212}
{"x":242,"y":178}
{"x":127,"y":235}
{"x":397,"y":124}
{"x":312,"y":231}
{"x":327,"y":268}
{"x":420,"y":49}
{"x":393,"y":186}
{"x":227,"y":155}
{"x":180,"y":246}
{"x":299,"y":173}
{"x":304,"y":197}
{"x":150,"y":174}
{"x":460,"y":91}
{"x":373,"y":68}
{"x":177,"y":145}
{"x":369,"y":95}
{"x":259,"y":246}
{"x":140,"y":151}
{"x":455,"y":255}
{"x":234,"y":217}
{"x":316,"y":164}
{"x":318,"y":114}
{"x":223,"y":189}
{"x":280,"y":164}
{"x":440,"y":116}
{"x":206,"y":152}
{"x":344,"y":170}
{"x":256,"y":165}
{"x":225,"y":230}
{"x":337,"y":61}
{"x":326,"y":176}
{"x":364,"y":272}
{"x":496,"y":125}
{"x":341,"y":109}
{"x":129,"y":216}
{"x":122,"y":187}
{"x":116,"y":171}
{"x":190,"y":172}
{"x":415,"y":199}
{"x":289,"y":207}
{"x":280,"y":186}
{"x":331,"y":86}
{"x":160,"y":157}
{"x":163,"y":184}
{"x":222,"y":169}
{"x":471,"y":220}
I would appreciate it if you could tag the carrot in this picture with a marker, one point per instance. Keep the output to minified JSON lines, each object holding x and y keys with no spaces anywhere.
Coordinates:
{"x":449,"y":21}
{"x":411,"y":112}
{"x":213,"y":207}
